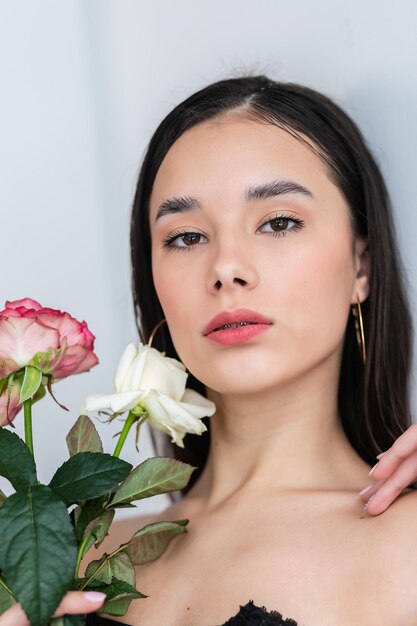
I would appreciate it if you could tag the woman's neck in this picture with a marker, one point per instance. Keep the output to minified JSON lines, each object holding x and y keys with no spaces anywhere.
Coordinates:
{"x":287,"y":438}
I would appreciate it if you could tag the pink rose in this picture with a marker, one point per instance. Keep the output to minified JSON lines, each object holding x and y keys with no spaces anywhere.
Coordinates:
{"x":50,"y":340}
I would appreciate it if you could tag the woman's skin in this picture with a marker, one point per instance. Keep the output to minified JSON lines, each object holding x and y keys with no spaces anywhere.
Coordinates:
{"x":276,"y":515}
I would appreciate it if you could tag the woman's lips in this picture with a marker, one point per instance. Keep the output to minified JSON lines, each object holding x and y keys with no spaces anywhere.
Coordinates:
{"x":241,"y":334}
{"x":235,"y":317}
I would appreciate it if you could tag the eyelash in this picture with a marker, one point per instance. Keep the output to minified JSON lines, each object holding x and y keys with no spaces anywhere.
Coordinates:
{"x":169,"y":241}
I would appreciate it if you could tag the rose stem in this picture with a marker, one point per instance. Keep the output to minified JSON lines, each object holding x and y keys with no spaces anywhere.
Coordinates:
{"x":81,"y":551}
{"x":27,"y":410}
{"x":4,"y":585}
{"x":130,"y":420}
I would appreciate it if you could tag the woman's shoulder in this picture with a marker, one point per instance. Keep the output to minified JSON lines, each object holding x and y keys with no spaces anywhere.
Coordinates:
{"x":395,"y":545}
{"x":401,"y":517}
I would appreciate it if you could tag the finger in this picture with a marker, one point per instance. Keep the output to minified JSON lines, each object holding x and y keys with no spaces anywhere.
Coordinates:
{"x":73,"y":603}
{"x":402,"y":448}
{"x":79,"y":602}
{"x":392,"y":487}
{"x":369,"y":491}
{"x":15,"y":616}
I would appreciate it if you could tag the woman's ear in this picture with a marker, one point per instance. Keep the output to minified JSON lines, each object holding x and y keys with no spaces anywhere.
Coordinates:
{"x":362,"y":264}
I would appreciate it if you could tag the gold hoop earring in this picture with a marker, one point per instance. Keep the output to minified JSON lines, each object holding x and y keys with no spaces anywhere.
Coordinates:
{"x":154,"y":331}
{"x":360,"y":335}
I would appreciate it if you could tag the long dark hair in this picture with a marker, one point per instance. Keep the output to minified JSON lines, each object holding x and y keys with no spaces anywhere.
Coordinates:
{"x":373,"y":400}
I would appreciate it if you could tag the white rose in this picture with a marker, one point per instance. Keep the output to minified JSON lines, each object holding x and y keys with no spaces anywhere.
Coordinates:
{"x":156,"y":382}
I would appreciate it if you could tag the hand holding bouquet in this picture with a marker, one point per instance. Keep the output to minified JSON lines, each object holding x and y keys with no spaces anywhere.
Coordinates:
{"x":46,"y":530}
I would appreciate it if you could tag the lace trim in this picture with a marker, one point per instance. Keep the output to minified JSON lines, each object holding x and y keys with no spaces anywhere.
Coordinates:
{"x":252,"y":615}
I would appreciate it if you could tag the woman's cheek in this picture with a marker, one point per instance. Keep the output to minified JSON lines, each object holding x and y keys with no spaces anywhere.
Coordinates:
{"x":316,"y":298}
{"x":175,"y":295}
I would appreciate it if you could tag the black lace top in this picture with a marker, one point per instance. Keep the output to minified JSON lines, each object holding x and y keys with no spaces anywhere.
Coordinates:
{"x":248,"y":615}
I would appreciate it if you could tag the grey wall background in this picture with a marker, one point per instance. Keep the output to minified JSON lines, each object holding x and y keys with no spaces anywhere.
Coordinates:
{"x":84,"y":85}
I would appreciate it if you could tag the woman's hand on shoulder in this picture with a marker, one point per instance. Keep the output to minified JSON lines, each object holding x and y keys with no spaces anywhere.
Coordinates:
{"x":395,"y":471}
{"x":73,"y":603}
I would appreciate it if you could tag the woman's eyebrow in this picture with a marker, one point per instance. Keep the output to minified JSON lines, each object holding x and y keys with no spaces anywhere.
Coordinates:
{"x":275,"y":188}
{"x":263,"y":191}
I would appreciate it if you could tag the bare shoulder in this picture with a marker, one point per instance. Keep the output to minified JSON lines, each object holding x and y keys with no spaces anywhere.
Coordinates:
{"x":396,"y":540}
{"x":399,"y":523}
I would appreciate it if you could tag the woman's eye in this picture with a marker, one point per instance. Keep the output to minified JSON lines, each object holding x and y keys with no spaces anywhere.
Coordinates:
{"x":279,"y":225}
{"x":182,"y":240}
{"x":186,"y":240}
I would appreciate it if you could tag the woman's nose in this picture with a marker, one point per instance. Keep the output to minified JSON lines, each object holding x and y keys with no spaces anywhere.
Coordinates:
{"x":231,"y":268}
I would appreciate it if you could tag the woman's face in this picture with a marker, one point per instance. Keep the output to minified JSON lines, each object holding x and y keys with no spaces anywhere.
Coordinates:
{"x":286,"y":254}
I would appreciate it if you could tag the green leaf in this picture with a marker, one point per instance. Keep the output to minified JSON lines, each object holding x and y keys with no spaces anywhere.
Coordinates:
{"x":3,"y":384}
{"x":148,"y":543}
{"x":117,"y":566}
{"x":38,"y":551}
{"x":16,"y":462}
{"x":3,"y":498}
{"x":88,"y":511}
{"x":6,"y":599}
{"x":118,"y":593}
{"x":99,"y":528}
{"x":83,"y":437}
{"x":32,"y":380}
{"x":88,"y":475}
{"x":152,"y":477}
{"x":123,"y":569}
{"x":45,"y":361}
{"x":39,"y":394}
{"x":119,"y":606}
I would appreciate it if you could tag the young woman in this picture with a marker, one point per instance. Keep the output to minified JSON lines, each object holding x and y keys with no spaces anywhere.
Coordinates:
{"x":262,"y":233}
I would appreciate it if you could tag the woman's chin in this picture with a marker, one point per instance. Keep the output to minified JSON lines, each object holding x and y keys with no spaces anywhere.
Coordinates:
{"x":240,"y":384}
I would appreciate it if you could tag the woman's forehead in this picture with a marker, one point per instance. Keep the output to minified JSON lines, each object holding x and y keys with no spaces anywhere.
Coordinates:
{"x":232,"y":154}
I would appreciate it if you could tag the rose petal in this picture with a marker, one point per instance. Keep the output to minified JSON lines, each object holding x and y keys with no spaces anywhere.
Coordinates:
{"x":134,"y":376}
{"x":158,"y":417}
{"x":130,"y":366}
{"x":117,"y":402}
{"x":14,"y":406}
{"x":26,"y":303}
{"x":73,"y":360}
{"x":21,"y":338}
{"x":8,"y":366}
{"x":181,"y":417}
{"x":89,"y":361}
{"x":196,"y":404}
{"x":171,"y":417}
{"x":161,"y":374}
{"x":125,"y":360}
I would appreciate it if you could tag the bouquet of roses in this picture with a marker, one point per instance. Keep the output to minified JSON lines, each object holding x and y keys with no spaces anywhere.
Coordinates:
{"x":46,"y":530}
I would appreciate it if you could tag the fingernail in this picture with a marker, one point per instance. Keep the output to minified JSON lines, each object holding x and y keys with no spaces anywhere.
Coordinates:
{"x":94,"y":596}
{"x":365,"y":490}
{"x":372,"y":470}
{"x":379,"y":455}
{"x":365,"y":506}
